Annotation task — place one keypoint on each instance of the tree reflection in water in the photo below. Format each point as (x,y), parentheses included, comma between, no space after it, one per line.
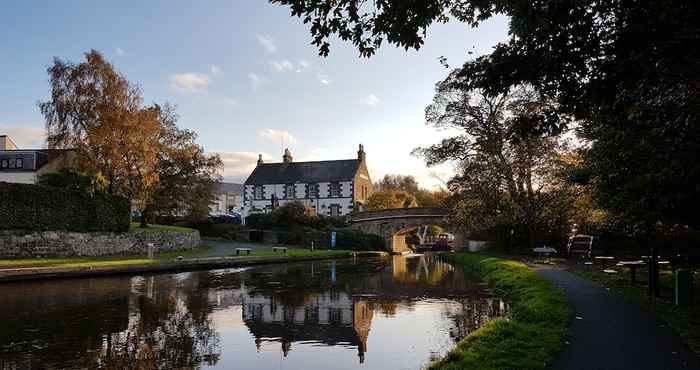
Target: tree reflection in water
(173,321)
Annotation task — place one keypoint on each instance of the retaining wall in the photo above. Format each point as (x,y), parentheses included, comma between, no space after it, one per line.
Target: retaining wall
(14,244)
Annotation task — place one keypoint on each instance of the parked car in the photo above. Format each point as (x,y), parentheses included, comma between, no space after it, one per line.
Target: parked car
(226,218)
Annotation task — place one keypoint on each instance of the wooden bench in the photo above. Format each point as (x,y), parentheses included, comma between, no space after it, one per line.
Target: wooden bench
(239,250)
(280,249)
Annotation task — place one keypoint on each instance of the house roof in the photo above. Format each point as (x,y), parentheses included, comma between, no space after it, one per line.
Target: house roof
(229,187)
(309,172)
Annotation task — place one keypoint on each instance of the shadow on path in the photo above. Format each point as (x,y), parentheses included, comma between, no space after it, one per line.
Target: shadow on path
(609,333)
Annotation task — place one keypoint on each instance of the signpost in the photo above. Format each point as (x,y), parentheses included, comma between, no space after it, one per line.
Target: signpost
(333,238)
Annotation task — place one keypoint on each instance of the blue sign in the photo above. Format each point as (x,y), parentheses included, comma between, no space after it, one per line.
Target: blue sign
(333,234)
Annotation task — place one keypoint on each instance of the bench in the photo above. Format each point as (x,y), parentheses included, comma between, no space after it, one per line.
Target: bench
(239,250)
(280,249)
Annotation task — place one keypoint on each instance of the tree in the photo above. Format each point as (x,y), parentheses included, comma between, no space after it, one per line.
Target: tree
(188,176)
(387,199)
(137,151)
(407,184)
(507,175)
(627,71)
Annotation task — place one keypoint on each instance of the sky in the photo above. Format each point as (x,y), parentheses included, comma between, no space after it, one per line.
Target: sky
(244,76)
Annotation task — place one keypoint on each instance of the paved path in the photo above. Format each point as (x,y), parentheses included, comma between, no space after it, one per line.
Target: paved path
(607,332)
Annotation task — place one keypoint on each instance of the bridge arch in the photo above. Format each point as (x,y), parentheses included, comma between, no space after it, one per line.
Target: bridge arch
(389,223)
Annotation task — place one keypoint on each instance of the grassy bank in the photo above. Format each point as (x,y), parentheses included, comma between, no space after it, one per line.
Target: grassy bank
(684,321)
(135,226)
(533,333)
(79,262)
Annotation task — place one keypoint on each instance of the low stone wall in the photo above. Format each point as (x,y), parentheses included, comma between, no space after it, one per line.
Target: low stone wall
(70,244)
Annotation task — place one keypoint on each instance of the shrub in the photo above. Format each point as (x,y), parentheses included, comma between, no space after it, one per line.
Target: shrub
(294,213)
(259,220)
(38,208)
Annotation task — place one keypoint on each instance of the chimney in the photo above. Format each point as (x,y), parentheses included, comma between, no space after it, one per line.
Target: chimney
(260,161)
(361,156)
(287,157)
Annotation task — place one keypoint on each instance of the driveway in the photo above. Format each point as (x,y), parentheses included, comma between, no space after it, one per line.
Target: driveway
(608,332)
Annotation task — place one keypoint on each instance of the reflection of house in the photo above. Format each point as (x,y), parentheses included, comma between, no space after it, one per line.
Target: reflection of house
(24,166)
(229,198)
(331,317)
(332,188)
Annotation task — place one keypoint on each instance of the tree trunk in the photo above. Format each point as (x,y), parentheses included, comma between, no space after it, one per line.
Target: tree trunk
(143,224)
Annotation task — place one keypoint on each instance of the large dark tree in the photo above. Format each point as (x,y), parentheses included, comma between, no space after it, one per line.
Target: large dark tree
(627,70)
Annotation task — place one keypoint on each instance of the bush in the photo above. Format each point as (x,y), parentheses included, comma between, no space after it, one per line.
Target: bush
(259,220)
(345,239)
(38,208)
(216,230)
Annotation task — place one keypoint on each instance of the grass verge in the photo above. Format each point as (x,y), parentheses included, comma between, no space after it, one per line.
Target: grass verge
(135,227)
(533,333)
(683,320)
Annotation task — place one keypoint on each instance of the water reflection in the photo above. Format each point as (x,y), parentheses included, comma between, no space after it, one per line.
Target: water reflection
(328,314)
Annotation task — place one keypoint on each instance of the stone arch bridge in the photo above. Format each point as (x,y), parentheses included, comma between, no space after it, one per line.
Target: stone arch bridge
(392,224)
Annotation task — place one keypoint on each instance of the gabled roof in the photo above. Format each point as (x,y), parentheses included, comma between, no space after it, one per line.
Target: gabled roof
(308,172)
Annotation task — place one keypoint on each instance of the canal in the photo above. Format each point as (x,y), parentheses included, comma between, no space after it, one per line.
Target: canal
(391,313)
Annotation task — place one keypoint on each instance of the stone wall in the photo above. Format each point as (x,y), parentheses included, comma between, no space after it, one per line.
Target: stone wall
(71,244)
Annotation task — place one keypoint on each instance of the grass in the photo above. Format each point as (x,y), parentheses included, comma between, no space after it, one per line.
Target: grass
(78,262)
(98,261)
(533,333)
(684,321)
(135,227)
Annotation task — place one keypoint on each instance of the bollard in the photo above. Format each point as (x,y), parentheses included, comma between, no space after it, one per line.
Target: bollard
(150,250)
(684,288)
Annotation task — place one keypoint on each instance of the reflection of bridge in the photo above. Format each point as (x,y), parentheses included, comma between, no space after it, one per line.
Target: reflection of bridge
(391,224)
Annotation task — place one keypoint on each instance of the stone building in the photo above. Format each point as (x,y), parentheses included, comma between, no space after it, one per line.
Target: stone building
(26,165)
(331,188)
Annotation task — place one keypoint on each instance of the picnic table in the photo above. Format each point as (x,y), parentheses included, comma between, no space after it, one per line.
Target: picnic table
(604,260)
(632,265)
(239,250)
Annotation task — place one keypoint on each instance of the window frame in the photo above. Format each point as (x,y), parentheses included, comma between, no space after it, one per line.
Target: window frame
(335,186)
(286,191)
(313,191)
(335,207)
(260,195)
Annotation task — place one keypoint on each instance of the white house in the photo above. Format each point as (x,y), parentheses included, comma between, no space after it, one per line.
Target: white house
(229,198)
(332,188)
(25,166)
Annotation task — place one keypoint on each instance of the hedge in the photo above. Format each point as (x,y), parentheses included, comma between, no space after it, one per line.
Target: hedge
(29,207)
(345,239)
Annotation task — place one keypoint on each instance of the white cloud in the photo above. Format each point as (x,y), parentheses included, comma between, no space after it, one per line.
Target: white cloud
(317,154)
(304,63)
(371,100)
(277,136)
(324,79)
(255,80)
(27,137)
(266,42)
(283,65)
(120,52)
(215,70)
(238,165)
(189,82)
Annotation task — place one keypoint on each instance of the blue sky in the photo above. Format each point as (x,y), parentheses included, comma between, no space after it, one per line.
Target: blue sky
(243,76)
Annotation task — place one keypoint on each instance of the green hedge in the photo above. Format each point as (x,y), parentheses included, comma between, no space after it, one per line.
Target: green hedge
(38,208)
(345,239)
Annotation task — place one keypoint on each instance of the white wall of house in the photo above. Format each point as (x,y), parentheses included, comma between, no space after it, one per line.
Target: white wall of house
(322,204)
(25,177)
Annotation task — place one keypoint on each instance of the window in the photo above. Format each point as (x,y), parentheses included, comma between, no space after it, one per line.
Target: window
(335,210)
(258,192)
(4,163)
(289,191)
(19,163)
(335,190)
(12,163)
(313,190)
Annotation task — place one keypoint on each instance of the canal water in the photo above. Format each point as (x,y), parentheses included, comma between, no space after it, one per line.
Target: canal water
(392,313)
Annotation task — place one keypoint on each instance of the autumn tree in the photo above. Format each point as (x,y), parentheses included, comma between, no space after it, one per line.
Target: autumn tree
(386,199)
(137,151)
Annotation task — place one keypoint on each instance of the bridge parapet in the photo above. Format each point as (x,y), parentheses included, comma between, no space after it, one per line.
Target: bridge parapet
(396,213)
